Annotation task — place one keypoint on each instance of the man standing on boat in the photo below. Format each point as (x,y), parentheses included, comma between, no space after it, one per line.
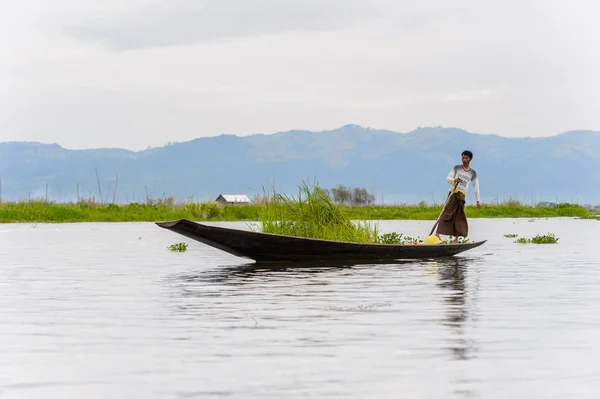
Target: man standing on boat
(453,221)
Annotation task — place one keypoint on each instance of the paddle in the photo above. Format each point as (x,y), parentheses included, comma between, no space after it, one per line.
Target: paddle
(443,209)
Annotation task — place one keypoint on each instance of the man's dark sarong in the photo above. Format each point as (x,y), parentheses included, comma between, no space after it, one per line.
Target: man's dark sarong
(453,221)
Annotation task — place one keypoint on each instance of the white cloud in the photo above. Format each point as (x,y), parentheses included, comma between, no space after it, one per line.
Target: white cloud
(177,22)
(137,73)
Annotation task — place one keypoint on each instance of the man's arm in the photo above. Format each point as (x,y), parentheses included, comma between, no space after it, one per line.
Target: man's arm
(450,178)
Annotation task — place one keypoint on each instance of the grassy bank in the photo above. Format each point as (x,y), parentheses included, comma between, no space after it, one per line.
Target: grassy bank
(42,211)
(510,209)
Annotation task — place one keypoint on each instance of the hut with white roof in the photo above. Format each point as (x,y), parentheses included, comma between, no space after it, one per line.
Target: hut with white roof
(233,199)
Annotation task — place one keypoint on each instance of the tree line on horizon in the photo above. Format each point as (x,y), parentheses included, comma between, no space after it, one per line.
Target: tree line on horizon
(341,194)
(348,195)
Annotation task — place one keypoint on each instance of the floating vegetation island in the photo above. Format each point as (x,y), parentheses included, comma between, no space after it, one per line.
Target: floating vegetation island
(179,247)
(549,238)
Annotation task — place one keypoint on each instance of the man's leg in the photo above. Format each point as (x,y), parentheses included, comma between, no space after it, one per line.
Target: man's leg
(461,225)
(446,224)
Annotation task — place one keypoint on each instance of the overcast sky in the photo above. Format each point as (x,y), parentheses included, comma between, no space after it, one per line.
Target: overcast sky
(138,73)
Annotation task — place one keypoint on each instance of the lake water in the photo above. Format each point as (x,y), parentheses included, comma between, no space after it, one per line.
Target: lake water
(106,311)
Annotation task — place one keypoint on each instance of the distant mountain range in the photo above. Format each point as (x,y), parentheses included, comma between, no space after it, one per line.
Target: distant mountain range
(396,167)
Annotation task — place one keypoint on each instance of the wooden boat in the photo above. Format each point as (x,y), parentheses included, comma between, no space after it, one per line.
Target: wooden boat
(264,247)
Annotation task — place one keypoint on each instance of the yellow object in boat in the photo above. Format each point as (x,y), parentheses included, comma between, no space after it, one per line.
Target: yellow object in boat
(431,240)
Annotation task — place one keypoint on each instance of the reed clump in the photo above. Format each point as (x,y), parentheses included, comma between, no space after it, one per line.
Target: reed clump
(205,210)
(312,214)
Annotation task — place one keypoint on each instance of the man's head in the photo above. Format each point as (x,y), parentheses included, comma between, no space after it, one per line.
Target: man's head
(467,156)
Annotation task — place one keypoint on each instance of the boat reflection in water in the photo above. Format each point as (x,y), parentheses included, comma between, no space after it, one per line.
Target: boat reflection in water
(283,290)
(452,279)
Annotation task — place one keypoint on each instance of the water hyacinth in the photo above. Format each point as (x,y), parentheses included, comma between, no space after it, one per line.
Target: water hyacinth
(178,247)
(549,238)
(395,238)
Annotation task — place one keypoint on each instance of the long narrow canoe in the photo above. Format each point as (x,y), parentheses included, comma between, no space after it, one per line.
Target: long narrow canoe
(263,247)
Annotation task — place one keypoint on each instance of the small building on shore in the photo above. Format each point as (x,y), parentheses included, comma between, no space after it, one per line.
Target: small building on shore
(233,199)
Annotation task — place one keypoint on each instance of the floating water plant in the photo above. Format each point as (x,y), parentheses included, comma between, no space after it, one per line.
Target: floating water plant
(511,235)
(395,238)
(390,238)
(461,240)
(179,247)
(549,238)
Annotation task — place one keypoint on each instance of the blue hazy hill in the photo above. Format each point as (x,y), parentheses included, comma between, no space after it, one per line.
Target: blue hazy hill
(408,167)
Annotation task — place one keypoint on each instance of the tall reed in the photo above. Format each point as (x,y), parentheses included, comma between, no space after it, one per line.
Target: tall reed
(312,215)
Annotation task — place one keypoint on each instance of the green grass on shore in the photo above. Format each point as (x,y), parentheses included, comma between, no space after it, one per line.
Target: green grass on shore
(50,212)
(510,209)
(39,211)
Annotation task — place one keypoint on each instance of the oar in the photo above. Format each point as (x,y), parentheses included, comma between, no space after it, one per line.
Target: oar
(443,209)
